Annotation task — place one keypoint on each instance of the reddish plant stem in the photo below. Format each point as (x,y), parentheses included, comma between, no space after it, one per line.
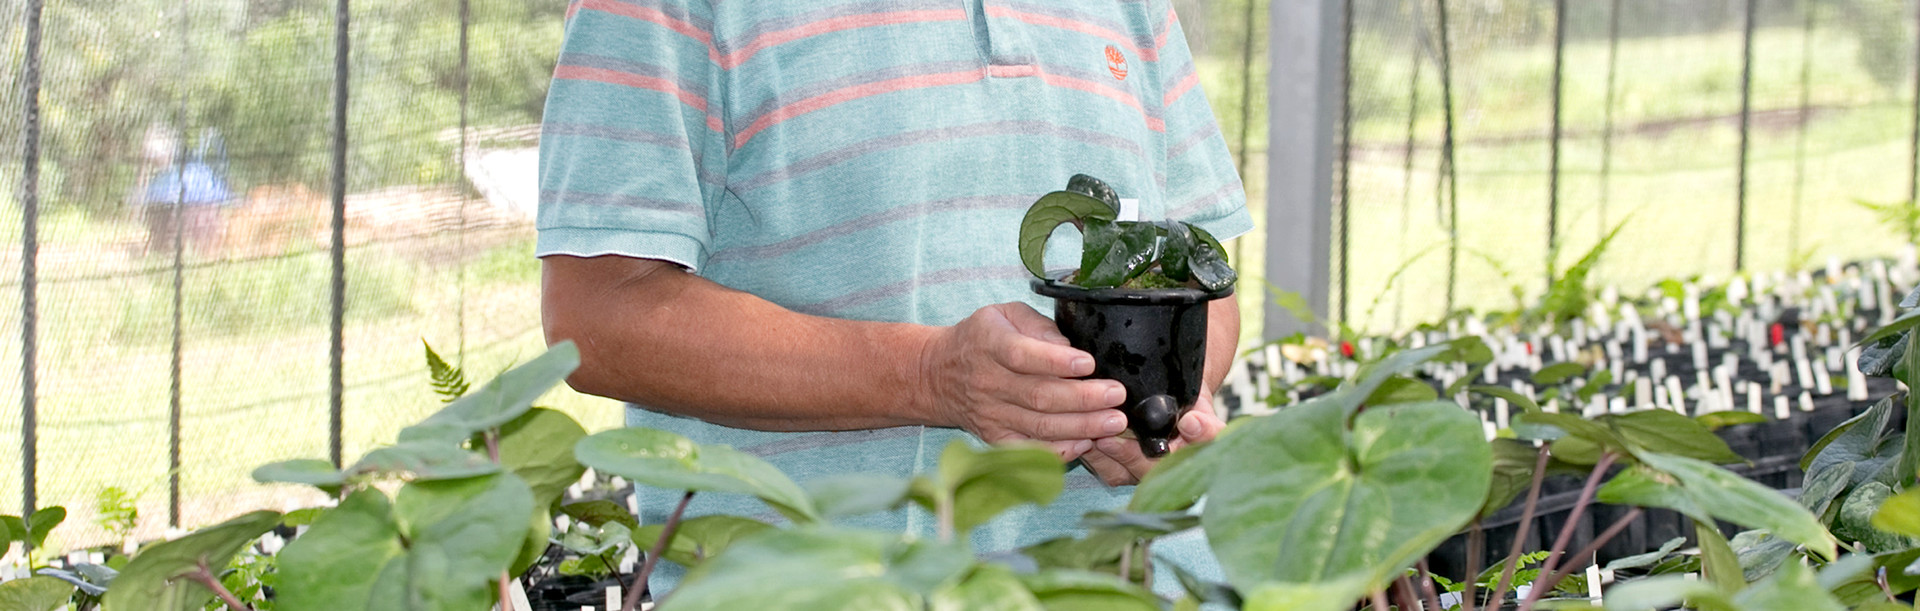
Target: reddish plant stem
(1520,537)
(1379,600)
(1579,507)
(1146,563)
(204,577)
(493,445)
(1548,581)
(1403,590)
(492,436)
(659,547)
(1426,587)
(1476,546)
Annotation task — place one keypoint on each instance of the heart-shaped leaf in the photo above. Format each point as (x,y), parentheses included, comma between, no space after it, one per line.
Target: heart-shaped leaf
(1176,482)
(460,535)
(335,563)
(42,522)
(1857,519)
(664,460)
(37,594)
(1900,514)
(538,447)
(1305,500)
(501,400)
(1853,441)
(981,483)
(152,579)
(1176,255)
(1116,252)
(699,538)
(1049,213)
(597,512)
(1513,463)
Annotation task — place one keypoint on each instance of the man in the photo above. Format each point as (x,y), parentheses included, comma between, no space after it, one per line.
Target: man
(780,226)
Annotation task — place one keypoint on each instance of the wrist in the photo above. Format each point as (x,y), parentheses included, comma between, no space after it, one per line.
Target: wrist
(915,363)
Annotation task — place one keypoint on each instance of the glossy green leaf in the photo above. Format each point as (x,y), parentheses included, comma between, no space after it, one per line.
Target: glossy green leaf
(151,581)
(1094,188)
(667,461)
(11,529)
(1402,389)
(1176,254)
(460,535)
(1208,239)
(1116,252)
(1852,441)
(1208,263)
(42,523)
(1353,393)
(335,563)
(1900,514)
(1175,483)
(500,400)
(1071,590)
(981,483)
(699,538)
(1857,519)
(989,586)
(590,540)
(1305,500)
(1742,501)
(1557,373)
(806,568)
(599,512)
(1049,213)
(1820,488)
(1669,433)
(852,494)
(538,447)
(1720,565)
(1883,358)
(1719,420)
(35,594)
(1508,394)
(422,460)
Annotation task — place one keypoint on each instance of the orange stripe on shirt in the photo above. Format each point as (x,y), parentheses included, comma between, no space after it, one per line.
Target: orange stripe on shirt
(650,15)
(848,94)
(628,79)
(835,24)
(1180,88)
(1105,90)
(1074,26)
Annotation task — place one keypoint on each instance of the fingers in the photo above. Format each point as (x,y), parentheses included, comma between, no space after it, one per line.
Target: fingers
(1118,461)
(1057,396)
(1054,427)
(1069,449)
(1107,469)
(1032,324)
(1200,425)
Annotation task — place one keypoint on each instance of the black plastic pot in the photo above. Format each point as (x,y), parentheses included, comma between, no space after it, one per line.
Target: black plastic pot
(1153,341)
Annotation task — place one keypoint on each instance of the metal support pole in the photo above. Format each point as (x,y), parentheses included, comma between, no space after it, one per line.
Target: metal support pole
(179,281)
(1746,116)
(1913,156)
(1553,144)
(336,387)
(1449,172)
(29,253)
(1304,42)
(466,86)
(1606,132)
(1344,224)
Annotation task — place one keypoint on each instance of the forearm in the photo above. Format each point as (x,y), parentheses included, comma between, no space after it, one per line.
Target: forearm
(652,334)
(1223,339)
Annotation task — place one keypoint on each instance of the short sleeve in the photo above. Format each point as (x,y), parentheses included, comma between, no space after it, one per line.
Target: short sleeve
(1202,187)
(632,147)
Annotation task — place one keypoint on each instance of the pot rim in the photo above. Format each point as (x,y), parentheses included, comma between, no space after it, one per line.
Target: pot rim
(1053,287)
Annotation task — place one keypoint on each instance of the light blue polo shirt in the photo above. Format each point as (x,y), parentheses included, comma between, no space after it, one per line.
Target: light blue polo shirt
(870,160)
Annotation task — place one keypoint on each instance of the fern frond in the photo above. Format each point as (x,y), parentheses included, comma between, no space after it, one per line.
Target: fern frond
(448,381)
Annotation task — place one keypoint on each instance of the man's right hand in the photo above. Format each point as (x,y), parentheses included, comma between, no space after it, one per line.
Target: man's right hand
(1006,373)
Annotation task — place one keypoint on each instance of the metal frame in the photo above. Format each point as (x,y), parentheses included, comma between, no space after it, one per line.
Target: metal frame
(1305,43)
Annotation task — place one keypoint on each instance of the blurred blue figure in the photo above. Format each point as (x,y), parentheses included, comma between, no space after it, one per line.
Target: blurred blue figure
(197,188)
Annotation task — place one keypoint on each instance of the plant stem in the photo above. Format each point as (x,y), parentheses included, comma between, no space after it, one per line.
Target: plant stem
(204,577)
(1146,563)
(943,513)
(1126,563)
(1573,519)
(615,569)
(506,592)
(493,445)
(659,547)
(1426,587)
(1549,581)
(1403,590)
(1520,537)
(1379,598)
(1476,546)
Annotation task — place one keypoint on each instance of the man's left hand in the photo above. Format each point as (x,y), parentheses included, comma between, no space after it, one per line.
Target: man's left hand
(1119,462)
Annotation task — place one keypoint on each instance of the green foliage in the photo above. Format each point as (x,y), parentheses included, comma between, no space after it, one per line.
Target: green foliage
(1121,253)
(665,460)
(116,511)
(34,594)
(449,381)
(155,579)
(700,538)
(500,400)
(973,485)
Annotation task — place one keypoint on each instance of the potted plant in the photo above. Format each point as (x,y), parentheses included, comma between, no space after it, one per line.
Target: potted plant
(1138,302)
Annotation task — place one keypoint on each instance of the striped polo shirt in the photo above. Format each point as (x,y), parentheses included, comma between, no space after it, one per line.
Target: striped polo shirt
(868,159)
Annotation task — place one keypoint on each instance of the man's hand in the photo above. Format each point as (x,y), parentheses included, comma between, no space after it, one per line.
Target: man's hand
(1118,461)
(1005,373)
